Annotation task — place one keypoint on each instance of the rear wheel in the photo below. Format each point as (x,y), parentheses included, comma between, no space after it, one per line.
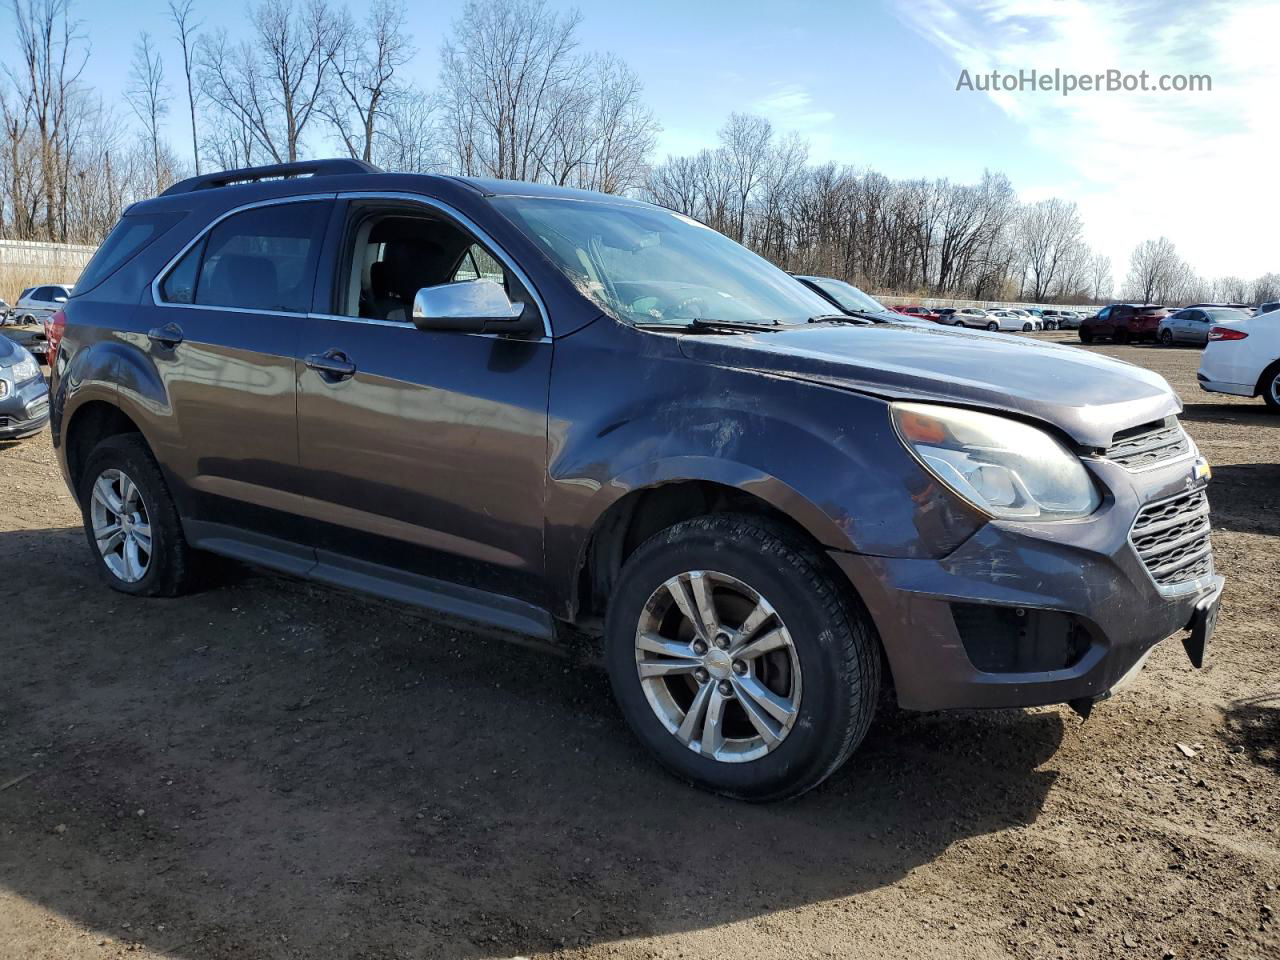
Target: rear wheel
(1121,336)
(131,522)
(958,323)
(738,660)
(993,326)
(1269,387)
(1051,324)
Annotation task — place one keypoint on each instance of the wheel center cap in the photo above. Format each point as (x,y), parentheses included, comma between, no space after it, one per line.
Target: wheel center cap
(718,662)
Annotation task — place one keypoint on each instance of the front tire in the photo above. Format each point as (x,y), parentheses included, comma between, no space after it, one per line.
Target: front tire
(1086,336)
(738,659)
(1166,338)
(131,522)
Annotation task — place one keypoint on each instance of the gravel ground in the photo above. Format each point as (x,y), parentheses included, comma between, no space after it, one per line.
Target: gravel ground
(272,769)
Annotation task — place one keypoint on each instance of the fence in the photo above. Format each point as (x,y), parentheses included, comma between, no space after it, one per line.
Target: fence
(27,263)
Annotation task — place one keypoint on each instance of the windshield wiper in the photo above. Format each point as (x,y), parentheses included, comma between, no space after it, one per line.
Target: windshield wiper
(704,323)
(853,316)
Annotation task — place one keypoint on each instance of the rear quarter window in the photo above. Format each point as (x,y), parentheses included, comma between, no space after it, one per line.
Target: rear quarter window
(125,241)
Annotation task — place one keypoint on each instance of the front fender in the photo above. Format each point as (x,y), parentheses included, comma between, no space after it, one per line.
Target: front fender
(628,412)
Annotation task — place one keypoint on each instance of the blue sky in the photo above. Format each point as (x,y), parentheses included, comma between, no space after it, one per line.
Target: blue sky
(871,82)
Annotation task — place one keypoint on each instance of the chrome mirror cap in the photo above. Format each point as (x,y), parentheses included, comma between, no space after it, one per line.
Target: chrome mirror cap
(465,300)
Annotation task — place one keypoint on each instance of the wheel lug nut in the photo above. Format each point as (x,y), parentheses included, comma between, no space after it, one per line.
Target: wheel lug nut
(726,687)
(722,641)
(701,675)
(740,667)
(699,647)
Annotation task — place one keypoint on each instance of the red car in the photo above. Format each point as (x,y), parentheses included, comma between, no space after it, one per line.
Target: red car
(1124,322)
(924,313)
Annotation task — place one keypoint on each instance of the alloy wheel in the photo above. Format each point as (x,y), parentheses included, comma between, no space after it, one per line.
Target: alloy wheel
(1275,389)
(718,666)
(121,525)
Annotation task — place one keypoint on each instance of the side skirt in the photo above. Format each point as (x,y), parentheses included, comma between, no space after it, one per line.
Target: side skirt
(441,596)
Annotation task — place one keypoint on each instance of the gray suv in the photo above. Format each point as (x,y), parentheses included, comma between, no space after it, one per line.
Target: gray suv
(541,408)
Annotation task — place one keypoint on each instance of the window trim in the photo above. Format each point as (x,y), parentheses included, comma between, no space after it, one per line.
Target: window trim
(477,232)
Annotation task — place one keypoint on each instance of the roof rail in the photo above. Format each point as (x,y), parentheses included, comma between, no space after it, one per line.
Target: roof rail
(302,168)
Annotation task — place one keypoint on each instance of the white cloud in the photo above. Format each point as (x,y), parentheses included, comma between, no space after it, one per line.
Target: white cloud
(1196,167)
(790,106)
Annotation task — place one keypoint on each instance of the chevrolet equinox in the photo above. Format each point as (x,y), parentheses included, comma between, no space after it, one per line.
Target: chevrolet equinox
(535,407)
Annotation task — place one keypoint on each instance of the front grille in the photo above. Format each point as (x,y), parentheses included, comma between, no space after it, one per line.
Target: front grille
(1172,538)
(1149,444)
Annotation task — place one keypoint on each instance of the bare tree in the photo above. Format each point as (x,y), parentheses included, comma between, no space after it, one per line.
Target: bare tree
(1100,281)
(410,138)
(364,66)
(271,84)
(1050,232)
(180,12)
(45,73)
(509,78)
(1153,268)
(148,99)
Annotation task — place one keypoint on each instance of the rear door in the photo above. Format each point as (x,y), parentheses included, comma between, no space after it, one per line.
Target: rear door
(223,333)
(425,451)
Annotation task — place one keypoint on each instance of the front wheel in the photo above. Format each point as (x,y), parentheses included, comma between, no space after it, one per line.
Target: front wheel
(1086,336)
(1027,328)
(739,660)
(131,522)
(1166,337)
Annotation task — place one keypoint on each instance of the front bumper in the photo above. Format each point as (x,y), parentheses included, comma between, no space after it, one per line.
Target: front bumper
(25,410)
(1083,576)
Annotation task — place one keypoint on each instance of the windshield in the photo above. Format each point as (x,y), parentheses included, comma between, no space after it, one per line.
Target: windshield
(848,296)
(648,265)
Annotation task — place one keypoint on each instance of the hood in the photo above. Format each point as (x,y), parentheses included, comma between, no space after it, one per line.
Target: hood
(9,351)
(1086,395)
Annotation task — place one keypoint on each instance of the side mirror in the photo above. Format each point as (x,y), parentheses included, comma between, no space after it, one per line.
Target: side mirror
(471,306)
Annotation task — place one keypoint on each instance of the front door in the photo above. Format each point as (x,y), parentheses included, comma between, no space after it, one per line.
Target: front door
(425,452)
(223,336)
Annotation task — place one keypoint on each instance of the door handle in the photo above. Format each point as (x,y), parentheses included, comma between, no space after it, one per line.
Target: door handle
(333,365)
(170,335)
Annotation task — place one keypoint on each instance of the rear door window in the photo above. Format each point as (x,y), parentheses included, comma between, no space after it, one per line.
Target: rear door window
(260,259)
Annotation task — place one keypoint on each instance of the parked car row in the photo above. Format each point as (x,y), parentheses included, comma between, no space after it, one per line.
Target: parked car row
(997,318)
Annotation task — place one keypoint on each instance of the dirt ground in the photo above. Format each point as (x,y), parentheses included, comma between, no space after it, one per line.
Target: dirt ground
(270,769)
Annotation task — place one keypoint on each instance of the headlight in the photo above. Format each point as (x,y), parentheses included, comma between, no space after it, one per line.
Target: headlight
(1004,468)
(25,369)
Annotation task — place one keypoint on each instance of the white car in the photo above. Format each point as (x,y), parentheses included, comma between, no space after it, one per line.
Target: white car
(1006,320)
(1242,358)
(1026,317)
(39,303)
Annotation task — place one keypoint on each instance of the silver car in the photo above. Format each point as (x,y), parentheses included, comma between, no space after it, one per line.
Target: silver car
(39,303)
(1192,324)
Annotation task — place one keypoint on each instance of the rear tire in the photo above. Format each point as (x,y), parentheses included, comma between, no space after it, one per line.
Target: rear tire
(993,326)
(1121,337)
(131,522)
(813,692)
(1269,387)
